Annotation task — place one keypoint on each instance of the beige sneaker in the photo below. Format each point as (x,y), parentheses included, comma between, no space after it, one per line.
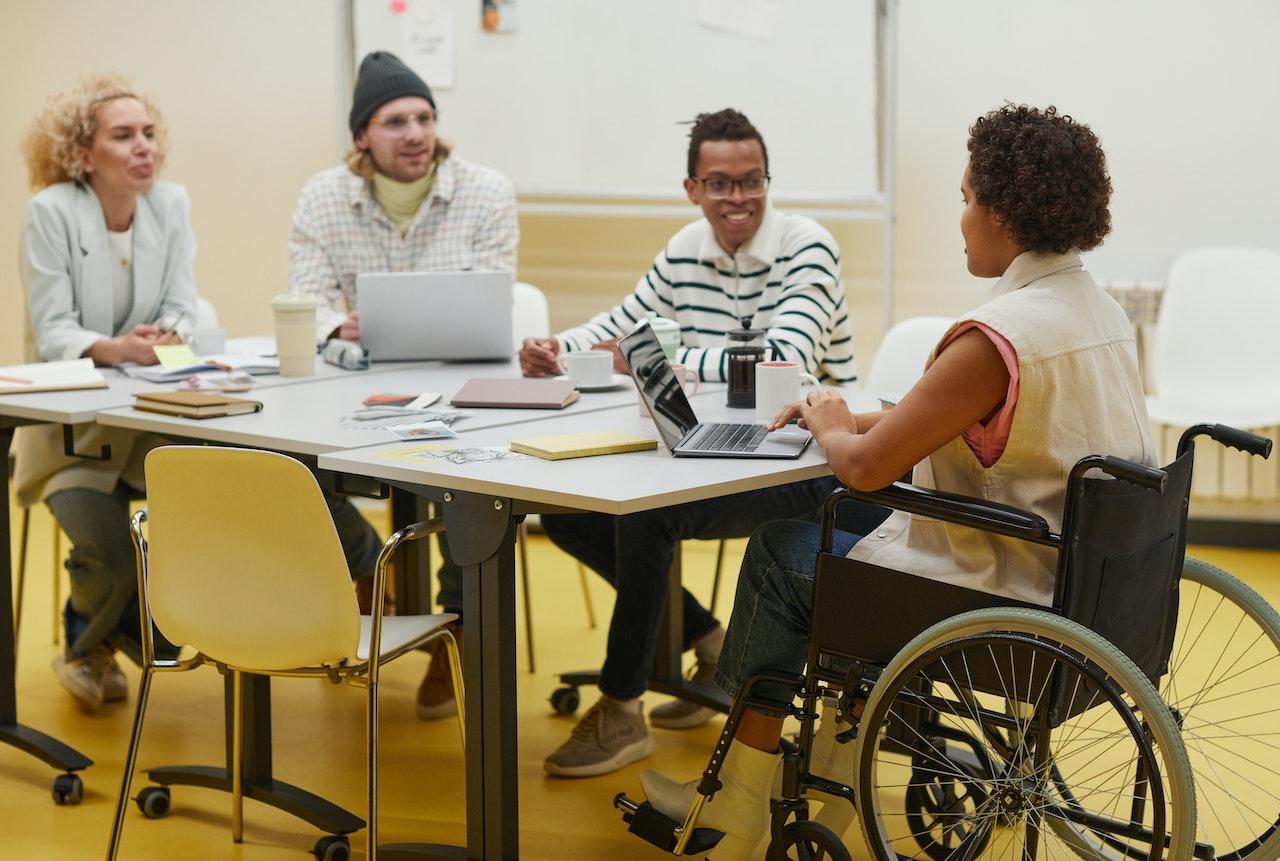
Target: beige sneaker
(82,678)
(436,699)
(685,714)
(608,737)
(115,684)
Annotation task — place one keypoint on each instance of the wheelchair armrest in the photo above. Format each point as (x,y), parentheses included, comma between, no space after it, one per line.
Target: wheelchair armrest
(940,505)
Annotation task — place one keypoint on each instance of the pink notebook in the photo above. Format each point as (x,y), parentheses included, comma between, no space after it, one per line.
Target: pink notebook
(521,393)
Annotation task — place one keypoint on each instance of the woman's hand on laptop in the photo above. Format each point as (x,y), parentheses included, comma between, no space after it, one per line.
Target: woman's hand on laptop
(538,357)
(820,412)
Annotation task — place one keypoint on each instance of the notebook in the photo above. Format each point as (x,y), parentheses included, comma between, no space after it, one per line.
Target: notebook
(520,393)
(194,405)
(51,377)
(585,444)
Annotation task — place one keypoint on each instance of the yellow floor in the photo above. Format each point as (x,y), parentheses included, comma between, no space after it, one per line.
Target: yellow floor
(318,735)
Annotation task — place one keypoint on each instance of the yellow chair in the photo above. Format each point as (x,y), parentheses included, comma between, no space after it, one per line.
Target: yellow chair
(241,562)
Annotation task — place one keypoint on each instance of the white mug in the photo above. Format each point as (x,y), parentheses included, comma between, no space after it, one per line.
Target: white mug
(668,335)
(685,376)
(208,342)
(778,384)
(588,367)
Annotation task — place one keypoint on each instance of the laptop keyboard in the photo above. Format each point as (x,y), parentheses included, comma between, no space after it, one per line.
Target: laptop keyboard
(728,437)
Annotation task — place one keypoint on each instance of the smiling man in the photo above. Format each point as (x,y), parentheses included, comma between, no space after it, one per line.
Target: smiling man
(741,260)
(401,203)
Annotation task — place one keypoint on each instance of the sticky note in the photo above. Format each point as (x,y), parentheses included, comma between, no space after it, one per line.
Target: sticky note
(174,356)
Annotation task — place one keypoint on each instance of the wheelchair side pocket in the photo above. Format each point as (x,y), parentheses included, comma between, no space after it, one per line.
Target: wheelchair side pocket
(1135,608)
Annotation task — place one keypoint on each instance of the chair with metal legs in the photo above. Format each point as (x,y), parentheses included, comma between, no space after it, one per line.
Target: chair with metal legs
(273,597)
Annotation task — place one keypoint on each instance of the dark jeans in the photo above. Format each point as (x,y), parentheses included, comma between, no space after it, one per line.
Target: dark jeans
(773,609)
(634,553)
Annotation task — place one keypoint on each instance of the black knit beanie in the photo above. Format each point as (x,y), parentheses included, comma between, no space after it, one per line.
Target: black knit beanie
(383,78)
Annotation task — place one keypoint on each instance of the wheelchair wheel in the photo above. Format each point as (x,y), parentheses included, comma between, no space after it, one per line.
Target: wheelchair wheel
(805,840)
(1072,711)
(1223,684)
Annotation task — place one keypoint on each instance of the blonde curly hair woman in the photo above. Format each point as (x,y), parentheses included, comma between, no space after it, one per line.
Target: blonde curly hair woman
(107,255)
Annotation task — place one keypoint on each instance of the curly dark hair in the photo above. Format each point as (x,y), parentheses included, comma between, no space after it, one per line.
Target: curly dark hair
(726,125)
(1044,175)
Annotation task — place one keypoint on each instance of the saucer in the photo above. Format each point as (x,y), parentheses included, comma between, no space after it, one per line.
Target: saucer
(617,381)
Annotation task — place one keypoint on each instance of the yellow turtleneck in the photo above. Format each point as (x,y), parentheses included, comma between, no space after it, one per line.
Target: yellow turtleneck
(401,200)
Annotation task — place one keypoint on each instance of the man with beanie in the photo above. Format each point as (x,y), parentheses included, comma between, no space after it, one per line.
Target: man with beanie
(401,203)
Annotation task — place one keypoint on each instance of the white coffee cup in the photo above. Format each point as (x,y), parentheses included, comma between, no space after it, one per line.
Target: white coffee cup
(588,367)
(668,335)
(778,384)
(685,376)
(295,316)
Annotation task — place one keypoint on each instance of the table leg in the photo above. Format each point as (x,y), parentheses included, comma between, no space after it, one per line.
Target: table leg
(482,539)
(26,739)
(411,571)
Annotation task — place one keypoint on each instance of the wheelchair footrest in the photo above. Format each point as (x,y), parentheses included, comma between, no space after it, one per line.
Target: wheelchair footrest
(646,822)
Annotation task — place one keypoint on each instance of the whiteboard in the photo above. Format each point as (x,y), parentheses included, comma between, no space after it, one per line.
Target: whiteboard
(587,98)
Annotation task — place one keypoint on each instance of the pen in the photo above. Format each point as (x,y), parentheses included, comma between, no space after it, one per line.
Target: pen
(8,379)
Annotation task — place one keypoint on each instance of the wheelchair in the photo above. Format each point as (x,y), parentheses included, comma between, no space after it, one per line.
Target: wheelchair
(1121,723)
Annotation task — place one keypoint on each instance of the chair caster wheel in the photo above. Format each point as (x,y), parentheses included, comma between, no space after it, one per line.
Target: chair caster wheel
(333,847)
(68,789)
(564,701)
(153,801)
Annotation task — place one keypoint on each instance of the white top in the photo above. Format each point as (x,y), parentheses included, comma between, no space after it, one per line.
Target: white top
(122,275)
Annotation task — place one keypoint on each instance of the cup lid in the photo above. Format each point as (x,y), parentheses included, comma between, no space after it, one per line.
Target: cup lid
(293,301)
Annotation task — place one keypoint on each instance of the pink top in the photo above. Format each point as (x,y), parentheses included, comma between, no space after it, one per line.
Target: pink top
(987,439)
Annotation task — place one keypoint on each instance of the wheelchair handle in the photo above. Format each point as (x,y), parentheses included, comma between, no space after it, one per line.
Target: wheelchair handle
(1135,473)
(1249,443)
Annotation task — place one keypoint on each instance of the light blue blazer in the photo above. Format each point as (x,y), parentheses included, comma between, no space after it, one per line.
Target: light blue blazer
(67,267)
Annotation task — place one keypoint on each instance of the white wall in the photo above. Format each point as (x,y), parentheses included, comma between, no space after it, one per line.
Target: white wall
(1182,93)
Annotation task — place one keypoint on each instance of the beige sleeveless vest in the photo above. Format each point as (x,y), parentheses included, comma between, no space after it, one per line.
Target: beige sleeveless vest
(1079,394)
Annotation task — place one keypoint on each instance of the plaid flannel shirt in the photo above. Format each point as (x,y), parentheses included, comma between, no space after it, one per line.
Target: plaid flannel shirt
(468,221)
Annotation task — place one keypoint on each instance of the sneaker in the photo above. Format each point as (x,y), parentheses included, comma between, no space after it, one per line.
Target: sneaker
(608,737)
(686,714)
(436,699)
(115,685)
(82,678)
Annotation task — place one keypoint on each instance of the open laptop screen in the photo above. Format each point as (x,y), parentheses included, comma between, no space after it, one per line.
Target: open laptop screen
(658,385)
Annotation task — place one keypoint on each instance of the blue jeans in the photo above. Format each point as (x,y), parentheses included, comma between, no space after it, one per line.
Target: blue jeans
(103,606)
(773,609)
(634,553)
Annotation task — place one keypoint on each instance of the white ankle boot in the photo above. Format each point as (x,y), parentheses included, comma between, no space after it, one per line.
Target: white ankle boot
(740,809)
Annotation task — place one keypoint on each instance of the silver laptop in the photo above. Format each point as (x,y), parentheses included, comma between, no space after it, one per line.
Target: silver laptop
(679,428)
(435,315)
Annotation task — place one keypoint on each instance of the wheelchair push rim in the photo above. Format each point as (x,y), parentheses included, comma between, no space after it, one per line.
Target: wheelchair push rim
(1122,755)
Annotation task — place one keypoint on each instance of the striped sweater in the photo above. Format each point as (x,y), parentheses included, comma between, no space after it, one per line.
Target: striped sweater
(786,280)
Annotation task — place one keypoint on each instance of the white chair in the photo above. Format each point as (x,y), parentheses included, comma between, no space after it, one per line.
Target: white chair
(1214,358)
(531,318)
(900,360)
(270,594)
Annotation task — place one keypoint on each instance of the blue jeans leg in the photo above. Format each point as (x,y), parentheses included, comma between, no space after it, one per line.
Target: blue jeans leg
(634,553)
(773,610)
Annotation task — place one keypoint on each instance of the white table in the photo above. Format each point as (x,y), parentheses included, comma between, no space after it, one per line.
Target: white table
(482,503)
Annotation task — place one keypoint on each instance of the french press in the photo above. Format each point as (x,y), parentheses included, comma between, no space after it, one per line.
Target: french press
(744,348)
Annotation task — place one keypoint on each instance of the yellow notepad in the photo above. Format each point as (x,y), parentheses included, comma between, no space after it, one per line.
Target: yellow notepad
(586,444)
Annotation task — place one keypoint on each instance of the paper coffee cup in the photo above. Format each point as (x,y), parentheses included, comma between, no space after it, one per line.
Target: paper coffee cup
(668,334)
(295,318)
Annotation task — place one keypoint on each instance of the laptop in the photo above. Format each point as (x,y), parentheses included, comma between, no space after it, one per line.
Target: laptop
(411,316)
(679,428)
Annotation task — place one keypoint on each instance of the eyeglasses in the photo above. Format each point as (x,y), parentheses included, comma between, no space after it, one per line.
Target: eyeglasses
(398,124)
(719,187)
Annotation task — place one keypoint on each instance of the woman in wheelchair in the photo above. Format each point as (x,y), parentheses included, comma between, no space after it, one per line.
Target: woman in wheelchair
(1020,389)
